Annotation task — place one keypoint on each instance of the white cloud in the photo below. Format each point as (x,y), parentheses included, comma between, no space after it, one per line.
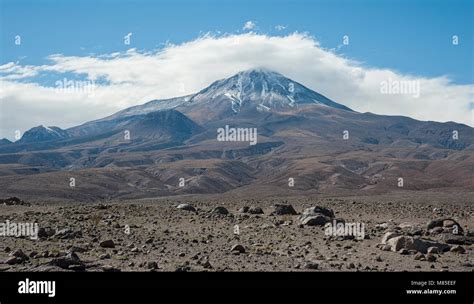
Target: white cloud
(249,25)
(12,71)
(280,27)
(134,77)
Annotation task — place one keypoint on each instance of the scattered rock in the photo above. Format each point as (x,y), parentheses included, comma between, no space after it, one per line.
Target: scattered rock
(316,216)
(152,265)
(77,267)
(13,260)
(19,254)
(311,266)
(207,265)
(186,207)
(238,248)
(46,232)
(405,225)
(381,226)
(420,245)
(109,268)
(219,211)
(414,231)
(64,262)
(404,251)
(13,201)
(420,257)
(430,257)
(281,209)
(318,210)
(388,235)
(251,210)
(386,247)
(454,239)
(443,222)
(255,210)
(244,209)
(68,234)
(107,244)
(183,268)
(16,257)
(105,256)
(102,206)
(437,230)
(77,249)
(432,250)
(458,249)
(315,220)
(400,242)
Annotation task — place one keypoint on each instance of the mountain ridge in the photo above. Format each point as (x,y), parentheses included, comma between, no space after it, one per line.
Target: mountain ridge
(147,149)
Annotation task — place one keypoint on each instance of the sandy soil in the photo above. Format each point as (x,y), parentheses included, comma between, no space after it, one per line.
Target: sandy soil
(154,235)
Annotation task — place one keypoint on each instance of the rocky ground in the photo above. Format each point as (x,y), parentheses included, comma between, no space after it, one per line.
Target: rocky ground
(201,235)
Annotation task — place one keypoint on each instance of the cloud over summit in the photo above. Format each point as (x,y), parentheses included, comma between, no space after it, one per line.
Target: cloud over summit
(134,77)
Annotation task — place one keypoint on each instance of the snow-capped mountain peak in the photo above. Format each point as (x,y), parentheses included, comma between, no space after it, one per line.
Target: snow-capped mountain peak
(43,133)
(261,88)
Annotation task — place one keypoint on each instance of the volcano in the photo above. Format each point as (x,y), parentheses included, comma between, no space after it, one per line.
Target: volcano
(324,146)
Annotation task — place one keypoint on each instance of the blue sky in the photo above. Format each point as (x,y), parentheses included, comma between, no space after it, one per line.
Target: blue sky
(179,47)
(413,37)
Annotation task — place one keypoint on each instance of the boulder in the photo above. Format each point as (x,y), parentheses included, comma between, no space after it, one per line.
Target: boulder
(282,209)
(444,222)
(152,265)
(255,210)
(13,260)
(186,207)
(107,244)
(454,239)
(311,266)
(409,243)
(238,248)
(318,210)
(385,247)
(67,261)
(220,211)
(19,254)
(437,230)
(244,209)
(316,216)
(315,220)
(46,232)
(387,236)
(13,201)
